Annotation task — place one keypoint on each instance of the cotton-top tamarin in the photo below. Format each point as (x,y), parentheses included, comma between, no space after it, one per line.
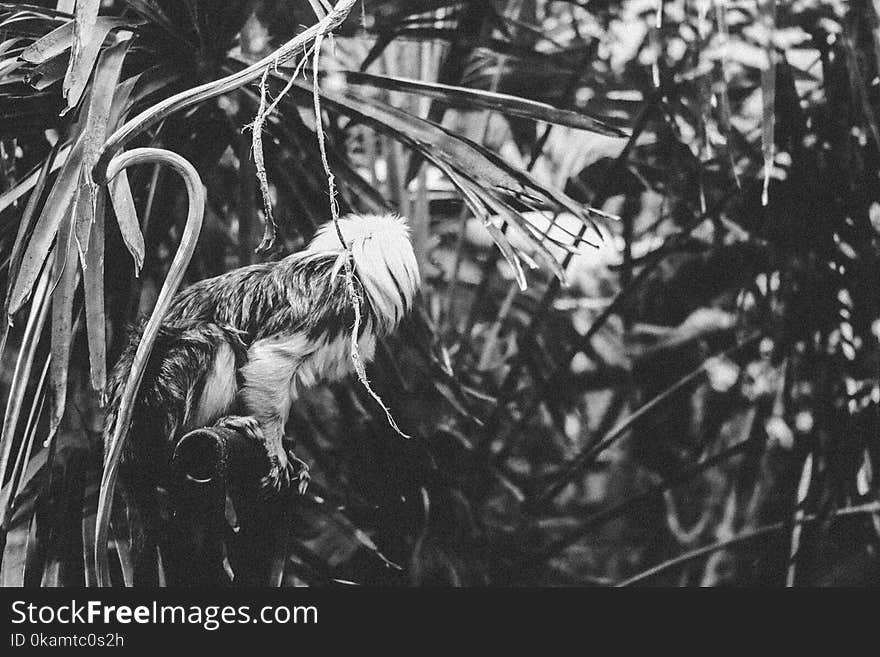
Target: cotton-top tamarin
(238,347)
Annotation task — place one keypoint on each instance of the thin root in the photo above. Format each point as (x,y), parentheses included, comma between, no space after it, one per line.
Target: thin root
(353,293)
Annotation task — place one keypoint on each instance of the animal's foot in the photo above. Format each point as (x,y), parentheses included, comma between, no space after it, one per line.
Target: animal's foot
(246,425)
(301,473)
(285,468)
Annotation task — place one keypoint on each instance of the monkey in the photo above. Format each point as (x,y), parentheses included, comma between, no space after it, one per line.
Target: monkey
(236,350)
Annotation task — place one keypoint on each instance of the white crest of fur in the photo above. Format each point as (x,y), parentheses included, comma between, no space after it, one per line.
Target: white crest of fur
(384,261)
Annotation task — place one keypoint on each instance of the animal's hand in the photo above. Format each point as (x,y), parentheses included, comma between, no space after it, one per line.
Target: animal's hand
(243,424)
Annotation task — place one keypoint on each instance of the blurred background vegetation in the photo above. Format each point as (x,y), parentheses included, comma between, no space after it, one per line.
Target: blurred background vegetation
(695,404)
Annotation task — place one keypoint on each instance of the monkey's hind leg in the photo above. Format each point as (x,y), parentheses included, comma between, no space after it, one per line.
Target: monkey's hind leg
(265,396)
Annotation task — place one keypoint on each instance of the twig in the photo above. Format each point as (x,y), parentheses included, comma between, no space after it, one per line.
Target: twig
(870,508)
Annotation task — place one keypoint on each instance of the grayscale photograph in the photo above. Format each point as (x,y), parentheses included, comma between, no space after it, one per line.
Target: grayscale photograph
(386,294)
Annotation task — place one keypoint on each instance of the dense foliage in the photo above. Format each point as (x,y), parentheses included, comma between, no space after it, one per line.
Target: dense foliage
(649,236)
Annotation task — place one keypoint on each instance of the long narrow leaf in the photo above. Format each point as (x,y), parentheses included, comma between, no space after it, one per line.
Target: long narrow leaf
(65,276)
(25,225)
(95,133)
(44,233)
(93,288)
(61,39)
(17,479)
(126,217)
(22,373)
(86,45)
(27,184)
(475,98)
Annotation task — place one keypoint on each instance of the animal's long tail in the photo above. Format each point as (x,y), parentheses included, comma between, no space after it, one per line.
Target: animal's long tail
(174,375)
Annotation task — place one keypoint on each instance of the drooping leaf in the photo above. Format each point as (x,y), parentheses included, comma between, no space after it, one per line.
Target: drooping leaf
(476,98)
(126,217)
(101,99)
(338,537)
(490,175)
(479,210)
(725,111)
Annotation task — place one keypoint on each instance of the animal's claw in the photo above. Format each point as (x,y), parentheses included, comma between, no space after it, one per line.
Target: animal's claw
(277,479)
(300,471)
(283,470)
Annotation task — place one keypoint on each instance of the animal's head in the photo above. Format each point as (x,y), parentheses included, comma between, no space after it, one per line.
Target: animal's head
(384,260)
